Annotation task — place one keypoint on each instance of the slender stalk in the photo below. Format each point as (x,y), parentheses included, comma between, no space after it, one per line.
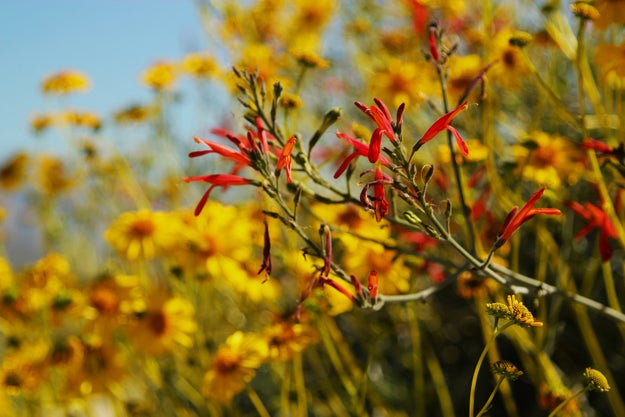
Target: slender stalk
(491,397)
(496,332)
(565,402)
(257,402)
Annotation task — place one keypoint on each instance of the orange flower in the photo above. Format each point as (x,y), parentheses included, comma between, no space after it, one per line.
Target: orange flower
(441,124)
(517,217)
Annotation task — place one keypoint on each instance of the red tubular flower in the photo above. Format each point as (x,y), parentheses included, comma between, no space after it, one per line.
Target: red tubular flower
(441,124)
(380,114)
(266,265)
(217,180)
(602,148)
(361,149)
(378,202)
(285,159)
(373,286)
(596,218)
(432,29)
(338,287)
(241,160)
(517,217)
(596,145)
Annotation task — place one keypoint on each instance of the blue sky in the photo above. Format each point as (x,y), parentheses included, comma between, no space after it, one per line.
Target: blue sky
(111,41)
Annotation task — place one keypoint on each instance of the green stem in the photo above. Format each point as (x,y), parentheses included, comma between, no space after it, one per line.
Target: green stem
(491,398)
(257,402)
(476,371)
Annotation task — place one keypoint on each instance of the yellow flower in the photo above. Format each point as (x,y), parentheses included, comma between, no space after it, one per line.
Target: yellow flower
(310,59)
(81,119)
(478,153)
(142,234)
(200,65)
(585,10)
(472,286)
(511,68)
(111,301)
(462,72)
(41,121)
(160,76)
(133,114)
(261,58)
(520,314)
(549,160)
(166,324)
(291,101)
(53,179)
(401,82)
(24,370)
(13,172)
(65,82)
(248,283)
(506,369)
(234,365)
(45,280)
(285,340)
(98,366)
(596,380)
(222,232)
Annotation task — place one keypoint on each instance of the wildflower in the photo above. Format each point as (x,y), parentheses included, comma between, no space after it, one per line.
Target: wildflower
(291,101)
(506,369)
(199,65)
(602,148)
(310,59)
(160,76)
(13,171)
(217,180)
(234,365)
(517,217)
(595,380)
(41,121)
(472,286)
(285,340)
(166,324)
(82,119)
(361,149)
(549,160)
(133,114)
(53,179)
(101,366)
(380,114)
(378,202)
(441,124)
(401,82)
(498,310)
(511,67)
(141,234)
(585,10)
(520,314)
(285,159)
(240,159)
(65,82)
(23,370)
(596,218)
